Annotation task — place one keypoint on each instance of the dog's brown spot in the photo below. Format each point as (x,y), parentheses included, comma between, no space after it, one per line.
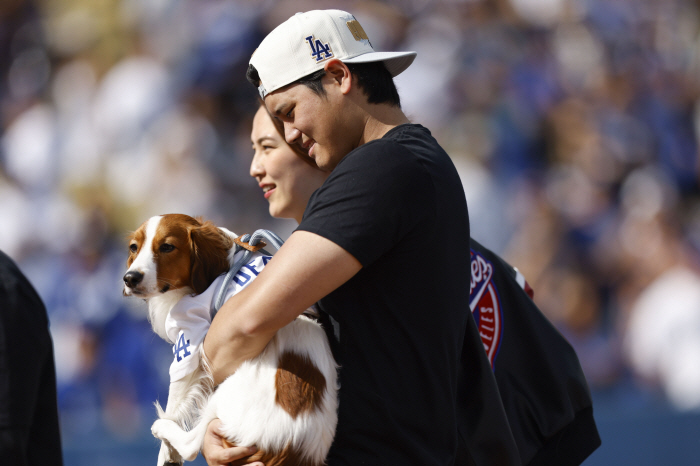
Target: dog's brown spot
(287,457)
(299,384)
(209,255)
(171,250)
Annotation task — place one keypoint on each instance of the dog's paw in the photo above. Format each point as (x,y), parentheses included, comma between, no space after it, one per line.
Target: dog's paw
(162,427)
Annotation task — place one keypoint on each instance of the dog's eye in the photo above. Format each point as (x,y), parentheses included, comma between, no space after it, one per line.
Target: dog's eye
(165,247)
(133,247)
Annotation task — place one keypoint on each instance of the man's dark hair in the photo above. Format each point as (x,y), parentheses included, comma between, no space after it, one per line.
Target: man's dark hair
(252,76)
(373,78)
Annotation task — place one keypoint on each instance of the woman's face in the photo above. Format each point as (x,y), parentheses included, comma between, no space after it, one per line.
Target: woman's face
(286,180)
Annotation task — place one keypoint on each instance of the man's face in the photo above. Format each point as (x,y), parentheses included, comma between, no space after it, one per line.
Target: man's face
(319,124)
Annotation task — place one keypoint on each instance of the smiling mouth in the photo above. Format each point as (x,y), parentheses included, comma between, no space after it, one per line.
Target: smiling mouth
(308,146)
(268,190)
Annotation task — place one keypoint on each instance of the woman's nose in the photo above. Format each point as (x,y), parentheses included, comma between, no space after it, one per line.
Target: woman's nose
(256,168)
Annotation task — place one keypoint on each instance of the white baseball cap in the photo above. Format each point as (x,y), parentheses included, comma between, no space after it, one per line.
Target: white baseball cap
(306,41)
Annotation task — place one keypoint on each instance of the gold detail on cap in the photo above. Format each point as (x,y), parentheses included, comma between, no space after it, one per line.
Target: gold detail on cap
(357,32)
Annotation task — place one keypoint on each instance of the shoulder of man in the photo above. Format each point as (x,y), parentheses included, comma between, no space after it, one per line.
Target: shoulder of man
(378,155)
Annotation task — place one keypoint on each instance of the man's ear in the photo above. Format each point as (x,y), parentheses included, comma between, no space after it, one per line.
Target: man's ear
(340,73)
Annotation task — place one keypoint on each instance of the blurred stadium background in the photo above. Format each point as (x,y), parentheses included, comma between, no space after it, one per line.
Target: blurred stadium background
(574,124)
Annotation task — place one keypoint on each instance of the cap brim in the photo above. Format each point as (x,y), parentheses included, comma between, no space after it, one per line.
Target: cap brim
(395,62)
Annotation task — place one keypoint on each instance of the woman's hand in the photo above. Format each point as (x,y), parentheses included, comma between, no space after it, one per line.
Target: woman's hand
(218,452)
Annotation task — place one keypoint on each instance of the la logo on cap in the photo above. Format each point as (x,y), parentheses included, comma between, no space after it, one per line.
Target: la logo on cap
(317,37)
(319,50)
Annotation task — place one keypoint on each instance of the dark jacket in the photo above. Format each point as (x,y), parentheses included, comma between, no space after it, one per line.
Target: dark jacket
(540,381)
(29,431)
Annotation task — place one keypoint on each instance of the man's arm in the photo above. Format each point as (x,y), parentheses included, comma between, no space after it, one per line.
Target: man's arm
(305,269)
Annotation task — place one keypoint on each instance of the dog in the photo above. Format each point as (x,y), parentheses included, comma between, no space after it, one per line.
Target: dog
(284,401)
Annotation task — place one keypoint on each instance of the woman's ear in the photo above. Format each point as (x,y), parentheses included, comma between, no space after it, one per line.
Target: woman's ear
(340,73)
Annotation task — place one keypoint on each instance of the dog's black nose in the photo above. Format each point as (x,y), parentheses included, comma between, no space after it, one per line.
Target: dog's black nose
(132,278)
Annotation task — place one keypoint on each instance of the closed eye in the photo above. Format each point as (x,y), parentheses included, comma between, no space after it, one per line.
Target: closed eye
(282,116)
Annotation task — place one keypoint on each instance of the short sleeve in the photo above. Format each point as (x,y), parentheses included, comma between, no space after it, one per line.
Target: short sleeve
(375,196)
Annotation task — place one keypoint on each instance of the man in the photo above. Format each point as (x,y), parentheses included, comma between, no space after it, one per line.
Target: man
(360,252)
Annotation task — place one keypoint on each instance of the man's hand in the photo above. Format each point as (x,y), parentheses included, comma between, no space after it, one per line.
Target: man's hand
(218,452)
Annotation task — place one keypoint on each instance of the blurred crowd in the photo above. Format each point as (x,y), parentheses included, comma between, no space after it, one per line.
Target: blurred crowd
(573,123)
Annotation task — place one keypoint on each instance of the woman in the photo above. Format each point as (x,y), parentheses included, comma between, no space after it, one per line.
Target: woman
(286,174)
(287,177)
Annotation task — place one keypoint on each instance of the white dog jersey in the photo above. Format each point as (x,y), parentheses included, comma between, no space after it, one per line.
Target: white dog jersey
(189,320)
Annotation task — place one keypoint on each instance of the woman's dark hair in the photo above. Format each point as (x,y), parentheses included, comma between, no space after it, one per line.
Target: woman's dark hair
(373,78)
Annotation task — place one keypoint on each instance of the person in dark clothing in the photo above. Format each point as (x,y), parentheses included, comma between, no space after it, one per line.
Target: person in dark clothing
(539,378)
(392,192)
(540,381)
(28,405)
(484,437)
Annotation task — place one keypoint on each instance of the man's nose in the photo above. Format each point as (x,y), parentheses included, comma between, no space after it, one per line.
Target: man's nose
(291,134)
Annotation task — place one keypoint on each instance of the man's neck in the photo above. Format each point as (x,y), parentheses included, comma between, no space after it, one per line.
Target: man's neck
(381,118)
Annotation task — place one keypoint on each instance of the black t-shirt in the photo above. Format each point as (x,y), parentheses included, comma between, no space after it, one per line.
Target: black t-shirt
(400,321)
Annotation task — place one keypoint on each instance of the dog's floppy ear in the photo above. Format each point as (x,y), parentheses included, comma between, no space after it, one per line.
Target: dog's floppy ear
(210,248)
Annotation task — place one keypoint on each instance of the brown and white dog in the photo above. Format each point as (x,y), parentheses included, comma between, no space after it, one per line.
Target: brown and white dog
(284,401)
